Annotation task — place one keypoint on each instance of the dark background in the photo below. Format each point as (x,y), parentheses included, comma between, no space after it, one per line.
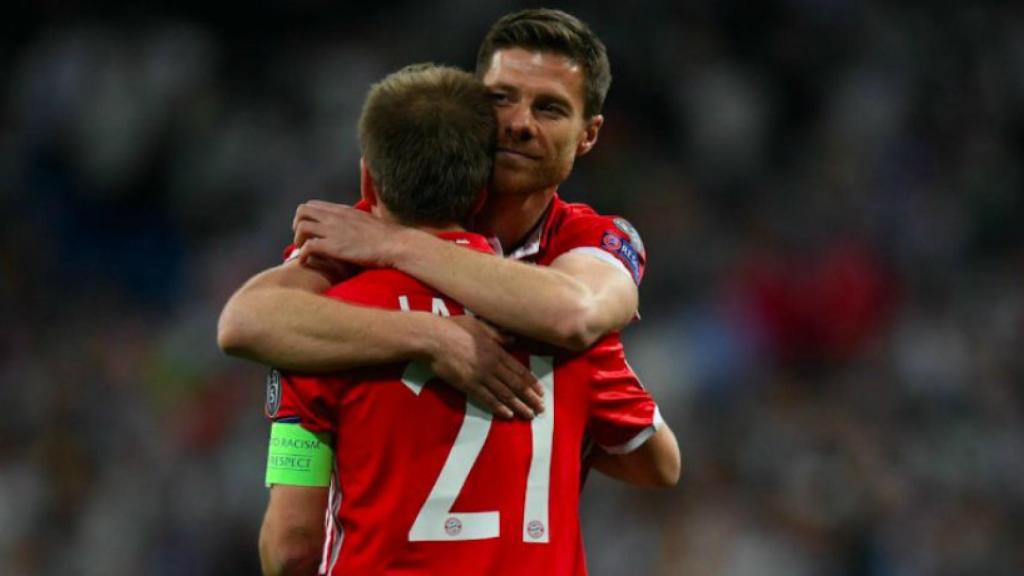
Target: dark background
(831,197)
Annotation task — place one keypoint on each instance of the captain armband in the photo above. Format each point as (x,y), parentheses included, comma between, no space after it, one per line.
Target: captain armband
(298,457)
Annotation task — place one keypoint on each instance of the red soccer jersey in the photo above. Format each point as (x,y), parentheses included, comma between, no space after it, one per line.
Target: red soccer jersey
(428,483)
(569,227)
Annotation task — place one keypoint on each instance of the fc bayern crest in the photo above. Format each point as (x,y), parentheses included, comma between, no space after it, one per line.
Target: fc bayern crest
(273,393)
(453,526)
(634,236)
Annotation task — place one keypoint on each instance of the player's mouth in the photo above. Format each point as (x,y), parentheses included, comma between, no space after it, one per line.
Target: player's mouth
(512,154)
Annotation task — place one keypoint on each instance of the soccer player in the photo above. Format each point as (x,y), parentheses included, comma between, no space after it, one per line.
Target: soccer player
(571,275)
(422,480)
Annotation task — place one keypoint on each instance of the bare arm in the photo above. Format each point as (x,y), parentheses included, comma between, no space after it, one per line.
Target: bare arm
(656,463)
(569,304)
(292,534)
(280,318)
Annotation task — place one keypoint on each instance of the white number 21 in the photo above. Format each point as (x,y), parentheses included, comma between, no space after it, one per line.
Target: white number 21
(436,521)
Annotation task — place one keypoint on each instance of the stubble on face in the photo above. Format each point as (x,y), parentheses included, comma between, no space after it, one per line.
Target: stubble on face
(538,99)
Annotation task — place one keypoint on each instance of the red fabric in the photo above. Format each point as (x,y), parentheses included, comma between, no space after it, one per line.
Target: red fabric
(391,445)
(568,226)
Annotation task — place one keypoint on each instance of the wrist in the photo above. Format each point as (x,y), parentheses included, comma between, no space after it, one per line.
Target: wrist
(401,249)
(427,336)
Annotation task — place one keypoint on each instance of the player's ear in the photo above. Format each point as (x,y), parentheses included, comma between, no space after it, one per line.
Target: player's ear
(590,131)
(367,187)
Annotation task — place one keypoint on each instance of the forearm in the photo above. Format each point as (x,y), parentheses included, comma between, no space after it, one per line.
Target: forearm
(292,533)
(654,464)
(280,319)
(543,303)
(302,559)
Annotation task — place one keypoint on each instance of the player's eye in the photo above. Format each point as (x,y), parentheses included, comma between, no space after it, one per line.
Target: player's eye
(498,97)
(553,109)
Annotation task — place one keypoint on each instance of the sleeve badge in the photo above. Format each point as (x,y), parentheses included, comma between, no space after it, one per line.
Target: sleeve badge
(634,236)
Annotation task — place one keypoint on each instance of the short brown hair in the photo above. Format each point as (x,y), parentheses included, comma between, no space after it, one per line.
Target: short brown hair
(555,31)
(427,135)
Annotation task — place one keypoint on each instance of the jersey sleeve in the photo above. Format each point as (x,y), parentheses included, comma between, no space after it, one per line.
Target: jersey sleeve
(623,414)
(300,399)
(609,238)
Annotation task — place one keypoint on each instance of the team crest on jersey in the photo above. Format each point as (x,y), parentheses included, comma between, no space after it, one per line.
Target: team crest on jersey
(535,529)
(273,393)
(634,236)
(453,526)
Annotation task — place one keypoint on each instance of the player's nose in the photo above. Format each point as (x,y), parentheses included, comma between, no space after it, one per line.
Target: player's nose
(519,125)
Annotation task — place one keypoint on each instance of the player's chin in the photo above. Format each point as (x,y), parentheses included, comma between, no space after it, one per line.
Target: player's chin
(513,182)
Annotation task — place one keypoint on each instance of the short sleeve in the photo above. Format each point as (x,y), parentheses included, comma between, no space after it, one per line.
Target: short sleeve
(610,238)
(300,399)
(623,414)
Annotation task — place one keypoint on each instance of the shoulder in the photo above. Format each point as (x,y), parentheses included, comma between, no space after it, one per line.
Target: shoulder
(578,218)
(579,227)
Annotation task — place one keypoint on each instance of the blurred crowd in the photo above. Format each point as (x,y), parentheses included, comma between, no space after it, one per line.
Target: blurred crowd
(832,198)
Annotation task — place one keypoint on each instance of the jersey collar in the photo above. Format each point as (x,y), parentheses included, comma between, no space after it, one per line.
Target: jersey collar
(467,239)
(536,240)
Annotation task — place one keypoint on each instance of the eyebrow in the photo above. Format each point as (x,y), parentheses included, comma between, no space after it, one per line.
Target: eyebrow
(503,86)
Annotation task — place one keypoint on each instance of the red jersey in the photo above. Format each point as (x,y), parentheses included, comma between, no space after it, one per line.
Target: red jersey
(428,483)
(569,227)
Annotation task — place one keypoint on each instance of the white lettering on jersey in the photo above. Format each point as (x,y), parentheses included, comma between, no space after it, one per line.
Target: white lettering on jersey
(438,307)
(403,303)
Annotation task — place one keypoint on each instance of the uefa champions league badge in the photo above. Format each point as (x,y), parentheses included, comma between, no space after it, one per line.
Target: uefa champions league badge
(273,393)
(535,529)
(634,236)
(453,526)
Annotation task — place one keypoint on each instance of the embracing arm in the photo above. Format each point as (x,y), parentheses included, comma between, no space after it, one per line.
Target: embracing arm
(280,318)
(656,463)
(570,304)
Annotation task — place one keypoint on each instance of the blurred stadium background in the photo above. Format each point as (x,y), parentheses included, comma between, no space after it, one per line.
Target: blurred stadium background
(832,197)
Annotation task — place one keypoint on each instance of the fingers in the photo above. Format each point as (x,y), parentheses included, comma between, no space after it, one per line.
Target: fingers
(306,229)
(484,396)
(316,211)
(328,206)
(304,212)
(521,386)
(507,398)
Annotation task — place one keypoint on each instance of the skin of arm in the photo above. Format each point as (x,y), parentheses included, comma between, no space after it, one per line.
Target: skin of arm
(292,534)
(655,464)
(280,318)
(570,304)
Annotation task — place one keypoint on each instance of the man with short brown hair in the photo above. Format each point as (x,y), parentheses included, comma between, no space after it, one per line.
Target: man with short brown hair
(414,477)
(547,118)
(570,278)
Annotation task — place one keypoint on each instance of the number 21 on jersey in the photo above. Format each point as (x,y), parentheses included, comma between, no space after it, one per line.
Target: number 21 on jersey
(436,521)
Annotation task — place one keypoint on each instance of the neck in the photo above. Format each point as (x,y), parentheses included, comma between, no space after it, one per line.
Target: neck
(511,217)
